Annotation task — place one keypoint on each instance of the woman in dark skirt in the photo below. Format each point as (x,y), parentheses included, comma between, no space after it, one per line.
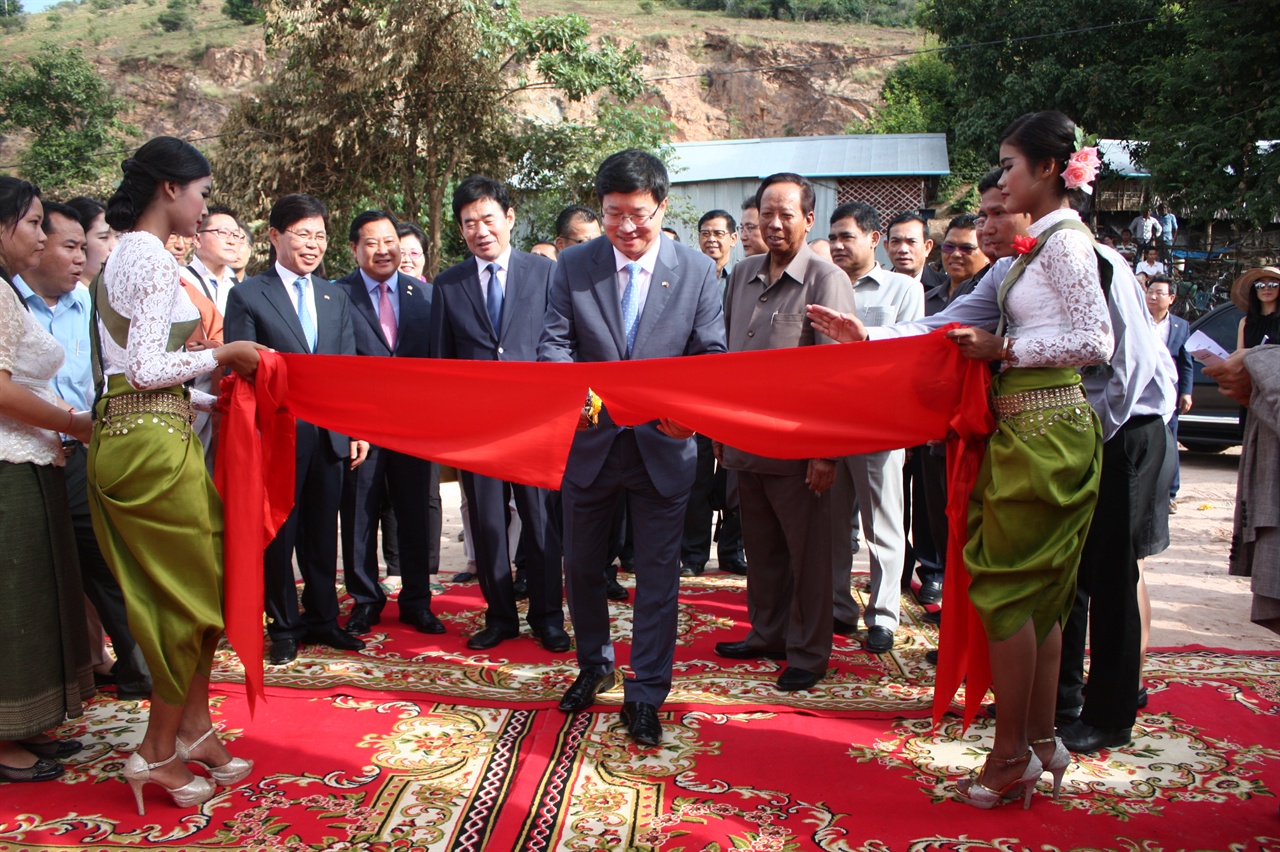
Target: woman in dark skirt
(45,672)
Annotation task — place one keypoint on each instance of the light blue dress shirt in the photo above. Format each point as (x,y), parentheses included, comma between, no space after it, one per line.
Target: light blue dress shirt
(68,322)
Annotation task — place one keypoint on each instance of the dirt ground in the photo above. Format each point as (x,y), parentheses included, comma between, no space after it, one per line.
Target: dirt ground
(1193,600)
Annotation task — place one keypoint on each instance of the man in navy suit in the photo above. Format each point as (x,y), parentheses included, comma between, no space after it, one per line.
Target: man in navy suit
(1174,331)
(491,308)
(629,294)
(392,316)
(289,309)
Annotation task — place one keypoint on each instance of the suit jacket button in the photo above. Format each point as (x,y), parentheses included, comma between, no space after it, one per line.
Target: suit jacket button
(500,350)
(751,333)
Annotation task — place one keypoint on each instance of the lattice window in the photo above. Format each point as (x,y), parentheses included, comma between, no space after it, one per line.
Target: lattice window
(889,195)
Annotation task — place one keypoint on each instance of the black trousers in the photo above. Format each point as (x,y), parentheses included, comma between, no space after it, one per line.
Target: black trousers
(709,493)
(100,585)
(1106,604)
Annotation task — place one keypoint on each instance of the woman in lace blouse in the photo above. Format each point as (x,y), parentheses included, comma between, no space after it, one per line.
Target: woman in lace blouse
(44,649)
(1033,501)
(155,511)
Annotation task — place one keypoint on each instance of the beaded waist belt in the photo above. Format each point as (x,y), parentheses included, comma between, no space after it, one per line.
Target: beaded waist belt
(1037,400)
(131,410)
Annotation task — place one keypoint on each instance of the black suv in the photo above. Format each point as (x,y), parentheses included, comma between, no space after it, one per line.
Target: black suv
(1213,423)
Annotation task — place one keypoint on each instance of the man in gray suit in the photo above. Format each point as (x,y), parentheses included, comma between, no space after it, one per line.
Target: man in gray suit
(631,294)
(788,525)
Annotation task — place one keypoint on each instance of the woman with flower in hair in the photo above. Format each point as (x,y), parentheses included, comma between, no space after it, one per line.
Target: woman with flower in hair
(156,514)
(1033,501)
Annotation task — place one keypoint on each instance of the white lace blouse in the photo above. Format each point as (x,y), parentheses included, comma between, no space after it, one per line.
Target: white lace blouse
(142,281)
(1056,311)
(32,356)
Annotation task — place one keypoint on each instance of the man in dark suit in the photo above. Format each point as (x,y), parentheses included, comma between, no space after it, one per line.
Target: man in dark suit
(629,295)
(289,309)
(491,308)
(1174,331)
(391,314)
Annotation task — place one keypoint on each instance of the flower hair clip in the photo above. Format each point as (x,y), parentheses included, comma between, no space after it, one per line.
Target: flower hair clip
(1083,166)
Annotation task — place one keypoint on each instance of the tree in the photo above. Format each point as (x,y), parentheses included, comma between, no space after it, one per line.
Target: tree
(247,12)
(61,100)
(1019,59)
(1210,130)
(389,103)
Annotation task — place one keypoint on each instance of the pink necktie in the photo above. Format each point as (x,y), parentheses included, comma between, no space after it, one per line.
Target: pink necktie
(386,316)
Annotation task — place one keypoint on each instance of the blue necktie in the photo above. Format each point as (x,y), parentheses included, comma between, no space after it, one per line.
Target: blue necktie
(494,299)
(631,304)
(304,313)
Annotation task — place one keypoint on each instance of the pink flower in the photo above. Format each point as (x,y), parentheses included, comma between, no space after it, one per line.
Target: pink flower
(1024,245)
(1082,168)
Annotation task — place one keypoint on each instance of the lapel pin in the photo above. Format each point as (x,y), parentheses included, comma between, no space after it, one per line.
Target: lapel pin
(326,296)
(666,283)
(409,288)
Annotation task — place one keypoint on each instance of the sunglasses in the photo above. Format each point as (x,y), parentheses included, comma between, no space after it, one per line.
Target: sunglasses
(1266,285)
(966,248)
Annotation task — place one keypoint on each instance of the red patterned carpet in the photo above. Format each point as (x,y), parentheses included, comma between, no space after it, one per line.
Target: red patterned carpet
(419,744)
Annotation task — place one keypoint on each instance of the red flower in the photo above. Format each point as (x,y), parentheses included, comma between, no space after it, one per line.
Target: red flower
(1024,245)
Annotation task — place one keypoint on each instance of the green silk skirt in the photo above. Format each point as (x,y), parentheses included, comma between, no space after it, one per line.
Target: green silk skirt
(158,520)
(1031,507)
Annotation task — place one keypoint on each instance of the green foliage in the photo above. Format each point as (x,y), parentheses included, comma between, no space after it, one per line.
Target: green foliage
(646,7)
(53,21)
(58,97)
(885,13)
(247,12)
(1214,111)
(176,17)
(11,9)
(13,23)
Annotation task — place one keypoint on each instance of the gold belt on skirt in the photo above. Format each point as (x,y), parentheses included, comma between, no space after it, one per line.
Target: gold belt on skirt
(131,410)
(1033,412)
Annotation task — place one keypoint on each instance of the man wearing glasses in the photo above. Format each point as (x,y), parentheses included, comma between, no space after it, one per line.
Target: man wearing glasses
(630,295)
(218,244)
(290,309)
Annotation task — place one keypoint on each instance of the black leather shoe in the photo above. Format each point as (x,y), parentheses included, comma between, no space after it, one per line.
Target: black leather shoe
(739,568)
(795,680)
(934,618)
(463,577)
(582,694)
(1064,716)
(692,569)
(743,651)
(642,722)
(133,693)
(53,749)
(521,587)
(490,637)
(1083,738)
(616,591)
(930,593)
(554,639)
(43,769)
(333,638)
(843,628)
(422,620)
(879,640)
(363,617)
(931,656)
(283,651)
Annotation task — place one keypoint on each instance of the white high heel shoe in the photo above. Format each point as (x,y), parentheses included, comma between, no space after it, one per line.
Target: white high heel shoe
(138,773)
(232,772)
(1058,764)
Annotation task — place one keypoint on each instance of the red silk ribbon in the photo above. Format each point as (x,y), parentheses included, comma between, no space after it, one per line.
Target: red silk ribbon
(515,421)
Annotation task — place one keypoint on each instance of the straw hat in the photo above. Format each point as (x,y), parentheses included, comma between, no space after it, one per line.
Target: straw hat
(1240,289)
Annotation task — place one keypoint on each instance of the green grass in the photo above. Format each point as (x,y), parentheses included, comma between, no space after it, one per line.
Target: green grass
(127,32)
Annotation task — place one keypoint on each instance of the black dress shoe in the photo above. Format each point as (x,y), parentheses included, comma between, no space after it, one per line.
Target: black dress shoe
(43,769)
(843,628)
(463,577)
(490,637)
(1064,716)
(934,618)
(133,693)
(739,568)
(1083,738)
(692,569)
(879,640)
(334,638)
(422,620)
(521,587)
(930,593)
(53,749)
(283,651)
(616,591)
(794,680)
(743,651)
(931,656)
(363,617)
(642,722)
(582,694)
(554,639)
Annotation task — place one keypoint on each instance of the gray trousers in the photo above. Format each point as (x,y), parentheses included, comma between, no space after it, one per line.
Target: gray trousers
(871,484)
(787,531)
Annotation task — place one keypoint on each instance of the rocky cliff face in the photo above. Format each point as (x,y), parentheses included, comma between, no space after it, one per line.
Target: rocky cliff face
(706,83)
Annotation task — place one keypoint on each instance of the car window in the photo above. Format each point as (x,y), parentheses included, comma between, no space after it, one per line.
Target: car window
(1222,324)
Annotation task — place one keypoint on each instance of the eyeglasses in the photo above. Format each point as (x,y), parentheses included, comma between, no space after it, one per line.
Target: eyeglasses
(963,248)
(1266,285)
(709,233)
(1153,294)
(636,219)
(226,235)
(307,236)
(413,254)
(748,227)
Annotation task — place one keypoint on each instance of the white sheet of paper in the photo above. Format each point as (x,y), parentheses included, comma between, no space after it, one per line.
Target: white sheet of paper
(1200,342)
